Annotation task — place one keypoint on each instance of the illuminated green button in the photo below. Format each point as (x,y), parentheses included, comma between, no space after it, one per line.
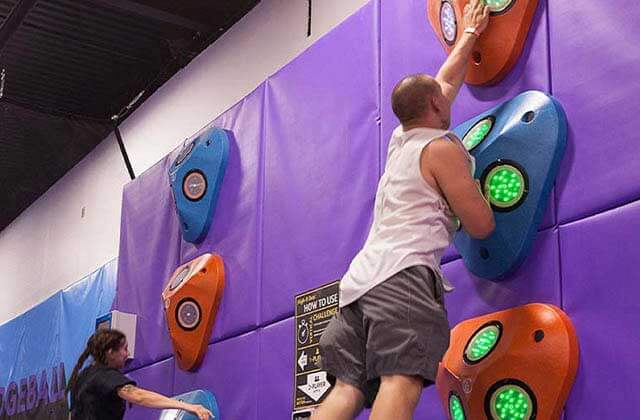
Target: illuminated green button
(455,408)
(477,133)
(511,402)
(482,343)
(497,6)
(504,186)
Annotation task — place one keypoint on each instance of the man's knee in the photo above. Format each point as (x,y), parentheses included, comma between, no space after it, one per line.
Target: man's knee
(407,386)
(347,391)
(343,402)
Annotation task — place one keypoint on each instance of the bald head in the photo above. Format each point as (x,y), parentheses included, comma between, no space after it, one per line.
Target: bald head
(411,98)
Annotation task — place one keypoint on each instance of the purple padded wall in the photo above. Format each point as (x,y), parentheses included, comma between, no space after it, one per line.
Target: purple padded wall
(595,62)
(600,275)
(275,370)
(533,282)
(229,371)
(234,232)
(537,280)
(276,366)
(303,193)
(321,162)
(409,45)
(149,253)
(151,247)
(429,407)
(158,378)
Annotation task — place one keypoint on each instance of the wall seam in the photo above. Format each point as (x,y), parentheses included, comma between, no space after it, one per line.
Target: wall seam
(260,244)
(378,11)
(599,211)
(261,196)
(548,21)
(556,216)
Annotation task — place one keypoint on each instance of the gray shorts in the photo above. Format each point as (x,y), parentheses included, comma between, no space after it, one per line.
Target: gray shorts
(398,327)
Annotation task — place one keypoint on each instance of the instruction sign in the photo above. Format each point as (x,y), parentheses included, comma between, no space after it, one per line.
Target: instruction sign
(314,310)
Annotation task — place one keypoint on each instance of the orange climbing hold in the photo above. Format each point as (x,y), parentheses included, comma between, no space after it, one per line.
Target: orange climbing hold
(501,44)
(518,363)
(191,300)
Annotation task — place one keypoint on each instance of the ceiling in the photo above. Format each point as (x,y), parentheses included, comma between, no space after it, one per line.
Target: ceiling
(67,67)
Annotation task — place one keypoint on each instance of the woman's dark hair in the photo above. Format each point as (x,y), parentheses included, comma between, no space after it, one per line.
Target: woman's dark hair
(97,347)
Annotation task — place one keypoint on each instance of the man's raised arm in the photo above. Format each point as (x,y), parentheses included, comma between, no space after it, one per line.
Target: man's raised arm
(454,69)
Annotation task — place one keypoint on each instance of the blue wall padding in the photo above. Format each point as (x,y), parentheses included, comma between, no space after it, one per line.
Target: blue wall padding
(201,397)
(82,303)
(537,148)
(207,154)
(56,330)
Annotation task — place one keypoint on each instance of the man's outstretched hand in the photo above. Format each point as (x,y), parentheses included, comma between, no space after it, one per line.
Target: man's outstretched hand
(476,15)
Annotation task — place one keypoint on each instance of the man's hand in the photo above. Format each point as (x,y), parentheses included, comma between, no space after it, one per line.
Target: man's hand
(476,16)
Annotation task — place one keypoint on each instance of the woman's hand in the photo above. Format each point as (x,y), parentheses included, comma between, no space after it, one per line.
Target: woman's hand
(200,411)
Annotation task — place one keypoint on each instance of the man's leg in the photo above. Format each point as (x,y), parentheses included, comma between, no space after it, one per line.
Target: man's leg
(344,402)
(397,398)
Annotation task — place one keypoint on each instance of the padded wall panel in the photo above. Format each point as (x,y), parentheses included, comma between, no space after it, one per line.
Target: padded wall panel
(321,162)
(451,253)
(595,62)
(409,45)
(429,407)
(537,280)
(149,252)
(275,388)
(158,378)
(276,367)
(229,371)
(234,230)
(600,275)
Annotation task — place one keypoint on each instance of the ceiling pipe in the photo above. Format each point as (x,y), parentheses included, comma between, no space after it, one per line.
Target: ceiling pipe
(14,20)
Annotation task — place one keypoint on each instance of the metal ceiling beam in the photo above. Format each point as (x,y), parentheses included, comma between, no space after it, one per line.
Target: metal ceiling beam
(13,21)
(155,14)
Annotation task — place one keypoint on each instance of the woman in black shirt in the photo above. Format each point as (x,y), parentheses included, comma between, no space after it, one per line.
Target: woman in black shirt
(99,391)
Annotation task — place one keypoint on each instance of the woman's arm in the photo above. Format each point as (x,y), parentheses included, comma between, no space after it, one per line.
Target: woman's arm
(143,397)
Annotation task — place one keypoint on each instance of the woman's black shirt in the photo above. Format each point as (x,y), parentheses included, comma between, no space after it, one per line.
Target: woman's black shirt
(95,394)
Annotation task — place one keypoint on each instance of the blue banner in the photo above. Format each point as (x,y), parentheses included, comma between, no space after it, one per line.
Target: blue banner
(39,348)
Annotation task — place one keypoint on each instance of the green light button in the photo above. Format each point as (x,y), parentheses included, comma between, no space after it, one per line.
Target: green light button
(504,186)
(482,343)
(477,133)
(455,408)
(511,402)
(497,6)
